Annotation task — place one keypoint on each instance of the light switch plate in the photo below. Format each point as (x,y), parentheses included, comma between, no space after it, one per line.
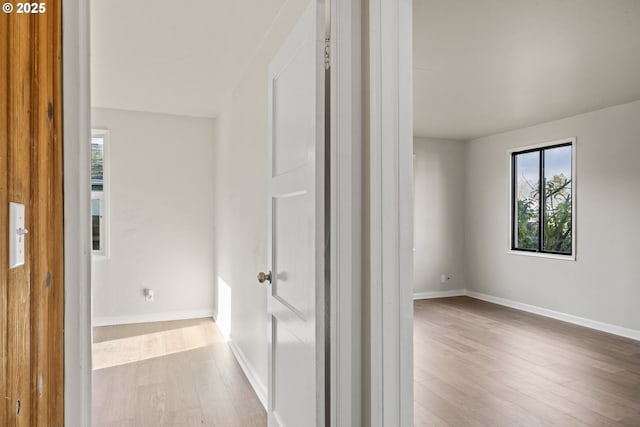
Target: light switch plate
(16,235)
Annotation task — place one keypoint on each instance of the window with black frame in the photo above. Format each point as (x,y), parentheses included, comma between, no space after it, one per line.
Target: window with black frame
(99,192)
(542,199)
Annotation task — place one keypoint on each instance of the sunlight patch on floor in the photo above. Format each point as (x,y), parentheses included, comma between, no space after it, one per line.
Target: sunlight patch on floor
(142,347)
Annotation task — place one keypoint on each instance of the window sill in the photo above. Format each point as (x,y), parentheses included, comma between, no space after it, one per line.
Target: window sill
(543,255)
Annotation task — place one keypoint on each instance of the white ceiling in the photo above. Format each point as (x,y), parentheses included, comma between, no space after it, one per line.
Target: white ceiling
(486,66)
(173,56)
(480,66)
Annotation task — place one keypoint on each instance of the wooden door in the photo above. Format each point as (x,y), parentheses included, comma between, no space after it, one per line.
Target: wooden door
(296,225)
(31,295)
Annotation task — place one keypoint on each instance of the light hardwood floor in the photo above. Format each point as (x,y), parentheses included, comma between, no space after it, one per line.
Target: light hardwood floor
(178,374)
(476,364)
(480,364)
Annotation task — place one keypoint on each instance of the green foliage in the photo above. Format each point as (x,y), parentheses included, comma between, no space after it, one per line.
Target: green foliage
(528,224)
(557,217)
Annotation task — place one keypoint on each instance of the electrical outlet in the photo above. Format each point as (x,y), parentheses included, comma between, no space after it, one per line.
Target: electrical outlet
(148,295)
(444,278)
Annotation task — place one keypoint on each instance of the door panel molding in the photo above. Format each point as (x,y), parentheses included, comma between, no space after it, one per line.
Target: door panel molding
(296,215)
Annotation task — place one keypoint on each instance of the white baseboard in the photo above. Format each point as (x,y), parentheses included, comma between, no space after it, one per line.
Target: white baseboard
(153,317)
(258,386)
(581,321)
(439,294)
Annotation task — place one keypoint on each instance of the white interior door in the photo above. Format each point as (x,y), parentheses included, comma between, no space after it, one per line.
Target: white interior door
(296,225)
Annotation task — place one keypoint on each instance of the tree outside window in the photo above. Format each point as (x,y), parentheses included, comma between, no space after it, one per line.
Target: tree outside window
(542,194)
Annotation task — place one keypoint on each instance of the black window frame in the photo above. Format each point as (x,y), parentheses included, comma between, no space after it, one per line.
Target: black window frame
(541,202)
(102,193)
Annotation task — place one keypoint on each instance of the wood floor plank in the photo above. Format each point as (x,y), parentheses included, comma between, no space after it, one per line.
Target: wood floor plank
(476,364)
(425,418)
(452,413)
(479,362)
(171,374)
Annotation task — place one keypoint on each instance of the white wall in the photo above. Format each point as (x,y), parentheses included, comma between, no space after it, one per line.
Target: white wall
(439,188)
(241,178)
(162,174)
(602,284)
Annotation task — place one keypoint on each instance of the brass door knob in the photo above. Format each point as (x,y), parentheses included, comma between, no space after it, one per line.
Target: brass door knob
(262,277)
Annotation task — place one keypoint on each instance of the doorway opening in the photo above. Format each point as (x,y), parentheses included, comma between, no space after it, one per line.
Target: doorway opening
(179,236)
(511,113)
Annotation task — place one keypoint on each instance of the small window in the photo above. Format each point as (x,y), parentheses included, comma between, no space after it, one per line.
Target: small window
(542,207)
(99,191)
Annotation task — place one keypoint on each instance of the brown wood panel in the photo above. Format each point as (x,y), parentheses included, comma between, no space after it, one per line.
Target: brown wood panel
(31,296)
(46,178)
(4,201)
(19,188)
(478,363)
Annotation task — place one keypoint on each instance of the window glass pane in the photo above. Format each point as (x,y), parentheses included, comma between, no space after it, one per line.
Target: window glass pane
(99,195)
(96,219)
(557,232)
(527,199)
(95,204)
(97,163)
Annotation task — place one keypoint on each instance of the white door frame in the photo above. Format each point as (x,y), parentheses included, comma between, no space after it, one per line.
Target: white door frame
(371,311)
(390,269)
(77,200)
(345,320)
(382,393)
